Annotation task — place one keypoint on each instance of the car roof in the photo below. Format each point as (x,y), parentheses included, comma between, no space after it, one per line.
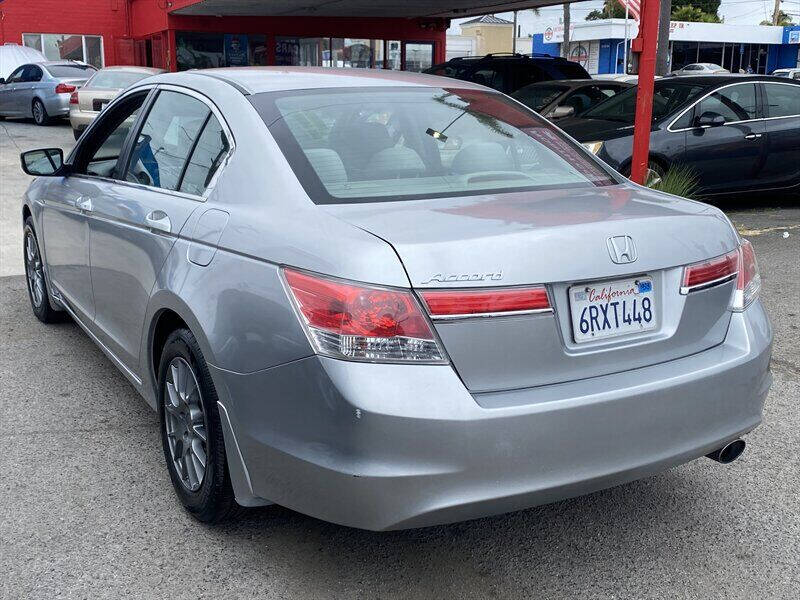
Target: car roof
(255,80)
(721,79)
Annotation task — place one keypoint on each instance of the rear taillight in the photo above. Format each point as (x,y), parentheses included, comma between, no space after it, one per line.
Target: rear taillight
(64,88)
(739,264)
(73,98)
(748,283)
(454,304)
(358,322)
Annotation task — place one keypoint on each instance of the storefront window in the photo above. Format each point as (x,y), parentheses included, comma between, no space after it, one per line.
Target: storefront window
(419,56)
(198,50)
(393,53)
(57,46)
(348,52)
(305,52)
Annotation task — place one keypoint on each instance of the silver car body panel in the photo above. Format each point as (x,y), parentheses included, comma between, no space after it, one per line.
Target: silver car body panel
(520,416)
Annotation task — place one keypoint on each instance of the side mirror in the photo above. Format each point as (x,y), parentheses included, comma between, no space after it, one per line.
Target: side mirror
(710,119)
(2,80)
(562,112)
(45,162)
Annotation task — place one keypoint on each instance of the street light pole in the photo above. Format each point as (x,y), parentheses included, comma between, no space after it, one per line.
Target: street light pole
(646,46)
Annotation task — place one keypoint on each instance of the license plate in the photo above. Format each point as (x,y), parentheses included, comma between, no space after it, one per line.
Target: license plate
(606,309)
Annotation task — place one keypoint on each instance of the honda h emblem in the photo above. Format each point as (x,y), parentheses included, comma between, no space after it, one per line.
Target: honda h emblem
(621,249)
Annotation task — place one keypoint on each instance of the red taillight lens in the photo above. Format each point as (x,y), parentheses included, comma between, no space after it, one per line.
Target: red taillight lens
(462,303)
(715,270)
(64,88)
(748,282)
(741,264)
(361,322)
(73,98)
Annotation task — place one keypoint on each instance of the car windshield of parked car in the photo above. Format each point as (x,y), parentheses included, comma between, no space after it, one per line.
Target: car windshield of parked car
(76,70)
(363,145)
(538,96)
(116,79)
(667,97)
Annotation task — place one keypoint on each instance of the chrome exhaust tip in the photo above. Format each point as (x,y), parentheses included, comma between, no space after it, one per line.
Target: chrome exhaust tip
(728,453)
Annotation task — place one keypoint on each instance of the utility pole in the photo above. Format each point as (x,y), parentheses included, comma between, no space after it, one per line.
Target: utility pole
(776,16)
(514,35)
(565,45)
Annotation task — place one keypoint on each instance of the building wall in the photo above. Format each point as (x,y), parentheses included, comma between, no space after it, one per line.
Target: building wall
(542,47)
(106,18)
(490,38)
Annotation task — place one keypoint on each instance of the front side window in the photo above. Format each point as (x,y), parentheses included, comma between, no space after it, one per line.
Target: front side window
(735,103)
(17,75)
(782,100)
(365,145)
(99,153)
(166,139)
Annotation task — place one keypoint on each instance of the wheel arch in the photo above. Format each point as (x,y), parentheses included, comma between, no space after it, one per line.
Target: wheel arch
(658,158)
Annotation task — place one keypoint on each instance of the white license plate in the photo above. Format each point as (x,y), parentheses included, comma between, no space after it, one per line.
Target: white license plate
(604,309)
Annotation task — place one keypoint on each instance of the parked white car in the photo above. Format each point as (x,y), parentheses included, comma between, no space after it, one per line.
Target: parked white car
(14,55)
(701,69)
(790,73)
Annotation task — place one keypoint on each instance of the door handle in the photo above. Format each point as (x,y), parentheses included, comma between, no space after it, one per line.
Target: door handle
(752,136)
(84,204)
(158,220)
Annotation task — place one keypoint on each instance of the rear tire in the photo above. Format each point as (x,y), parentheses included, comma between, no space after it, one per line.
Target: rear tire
(191,431)
(36,282)
(39,112)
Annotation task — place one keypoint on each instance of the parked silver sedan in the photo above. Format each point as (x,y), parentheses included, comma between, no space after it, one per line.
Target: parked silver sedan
(105,85)
(391,300)
(42,90)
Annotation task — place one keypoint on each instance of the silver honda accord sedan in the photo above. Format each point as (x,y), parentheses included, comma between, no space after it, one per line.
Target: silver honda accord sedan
(391,300)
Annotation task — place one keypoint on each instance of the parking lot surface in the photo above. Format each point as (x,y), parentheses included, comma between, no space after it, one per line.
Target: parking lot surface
(87,509)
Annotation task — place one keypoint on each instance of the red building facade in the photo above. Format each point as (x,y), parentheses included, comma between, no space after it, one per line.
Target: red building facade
(155,33)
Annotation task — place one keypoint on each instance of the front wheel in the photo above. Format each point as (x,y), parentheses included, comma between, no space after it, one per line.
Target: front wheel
(34,275)
(39,113)
(191,431)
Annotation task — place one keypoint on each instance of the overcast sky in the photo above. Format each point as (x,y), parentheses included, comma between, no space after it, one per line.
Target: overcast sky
(745,12)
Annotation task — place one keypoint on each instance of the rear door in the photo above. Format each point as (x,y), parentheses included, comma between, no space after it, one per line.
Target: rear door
(782,112)
(26,89)
(729,157)
(135,219)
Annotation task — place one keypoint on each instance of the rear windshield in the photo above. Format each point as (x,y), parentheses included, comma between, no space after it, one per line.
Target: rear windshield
(116,79)
(564,69)
(70,70)
(538,96)
(368,144)
(667,97)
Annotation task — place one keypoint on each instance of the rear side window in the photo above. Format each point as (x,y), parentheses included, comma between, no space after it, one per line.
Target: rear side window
(488,76)
(209,152)
(735,103)
(782,100)
(166,139)
(368,144)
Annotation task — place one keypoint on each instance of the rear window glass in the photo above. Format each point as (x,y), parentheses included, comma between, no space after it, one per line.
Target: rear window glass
(538,96)
(667,97)
(70,70)
(367,144)
(116,79)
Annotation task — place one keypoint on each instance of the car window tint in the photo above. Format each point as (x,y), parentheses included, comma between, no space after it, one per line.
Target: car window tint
(208,154)
(489,77)
(685,122)
(16,76)
(77,71)
(668,96)
(538,96)
(735,103)
(782,100)
(100,151)
(165,140)
(32,73)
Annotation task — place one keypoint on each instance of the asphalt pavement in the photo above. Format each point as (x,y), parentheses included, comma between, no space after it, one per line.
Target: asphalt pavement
(87,509)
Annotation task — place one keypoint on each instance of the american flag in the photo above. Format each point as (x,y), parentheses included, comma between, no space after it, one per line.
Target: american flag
(633,6)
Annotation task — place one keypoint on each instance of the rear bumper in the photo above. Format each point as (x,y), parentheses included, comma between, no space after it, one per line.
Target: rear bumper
(57,105)
(394,446)
(81,119)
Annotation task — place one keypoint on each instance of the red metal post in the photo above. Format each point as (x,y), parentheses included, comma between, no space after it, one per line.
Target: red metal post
(646,45)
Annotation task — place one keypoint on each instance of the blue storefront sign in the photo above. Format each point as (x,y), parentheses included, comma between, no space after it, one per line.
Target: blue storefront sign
(236,50)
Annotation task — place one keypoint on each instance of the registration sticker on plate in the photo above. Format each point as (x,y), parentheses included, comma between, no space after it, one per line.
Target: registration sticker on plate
(605,309)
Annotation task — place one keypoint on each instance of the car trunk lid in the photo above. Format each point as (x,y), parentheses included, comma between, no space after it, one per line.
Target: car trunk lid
(93,99)
(557,238)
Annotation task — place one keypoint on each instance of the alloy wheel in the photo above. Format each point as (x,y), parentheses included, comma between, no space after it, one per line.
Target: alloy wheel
(34,270)
(38,112)
(185,423)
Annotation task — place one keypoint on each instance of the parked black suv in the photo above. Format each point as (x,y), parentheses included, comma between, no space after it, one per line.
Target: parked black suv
(509,72)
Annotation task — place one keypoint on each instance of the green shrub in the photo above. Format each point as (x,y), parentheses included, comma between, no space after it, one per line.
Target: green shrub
(679,180)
